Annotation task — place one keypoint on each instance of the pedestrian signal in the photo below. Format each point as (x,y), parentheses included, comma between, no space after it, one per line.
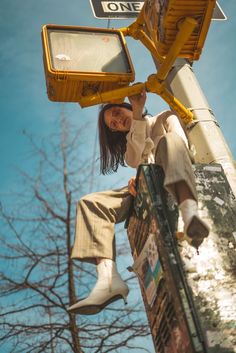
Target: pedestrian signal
(164,19)
(82,61)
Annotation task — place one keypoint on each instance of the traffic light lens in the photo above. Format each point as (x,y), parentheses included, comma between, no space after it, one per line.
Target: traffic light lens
(85,51)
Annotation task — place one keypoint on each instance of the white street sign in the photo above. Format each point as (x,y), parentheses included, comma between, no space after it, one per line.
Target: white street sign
(116,9)
(218,13)
(127,9)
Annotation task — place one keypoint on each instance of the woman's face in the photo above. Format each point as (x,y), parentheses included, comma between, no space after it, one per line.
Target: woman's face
(118,118)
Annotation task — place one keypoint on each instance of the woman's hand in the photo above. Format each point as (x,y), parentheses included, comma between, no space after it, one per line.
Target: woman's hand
(132,186)
(138,102)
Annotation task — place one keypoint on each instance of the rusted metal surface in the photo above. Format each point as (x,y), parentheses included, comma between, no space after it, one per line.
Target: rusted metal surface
(189,298)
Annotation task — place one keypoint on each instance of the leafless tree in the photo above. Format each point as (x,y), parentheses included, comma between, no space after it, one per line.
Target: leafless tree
(38,280)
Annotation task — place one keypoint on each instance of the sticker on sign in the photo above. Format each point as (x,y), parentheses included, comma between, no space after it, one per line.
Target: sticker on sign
(116,9)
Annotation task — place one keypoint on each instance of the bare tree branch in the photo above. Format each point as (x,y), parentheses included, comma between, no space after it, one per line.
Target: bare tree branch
(38,279)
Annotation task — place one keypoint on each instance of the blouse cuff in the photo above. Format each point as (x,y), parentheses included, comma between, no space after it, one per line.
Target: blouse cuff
(138,126)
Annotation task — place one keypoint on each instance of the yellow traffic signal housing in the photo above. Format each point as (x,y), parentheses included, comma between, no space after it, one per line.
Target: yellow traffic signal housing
(82,61)
(163,19)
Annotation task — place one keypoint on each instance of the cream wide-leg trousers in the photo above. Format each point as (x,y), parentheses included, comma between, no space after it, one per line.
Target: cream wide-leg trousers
(96,217)
(97,213)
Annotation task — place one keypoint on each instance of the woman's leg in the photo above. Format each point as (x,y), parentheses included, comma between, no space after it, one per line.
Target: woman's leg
(173,156)
(97,215)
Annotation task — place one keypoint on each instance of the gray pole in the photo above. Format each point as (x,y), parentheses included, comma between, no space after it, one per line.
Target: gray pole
(204,132)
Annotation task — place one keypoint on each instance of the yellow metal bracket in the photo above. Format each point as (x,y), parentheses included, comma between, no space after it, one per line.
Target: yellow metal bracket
(137,31)
(155,82)
(185,30)
(151,85)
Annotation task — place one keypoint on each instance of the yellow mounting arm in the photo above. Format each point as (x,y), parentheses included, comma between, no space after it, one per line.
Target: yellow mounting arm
(155,83)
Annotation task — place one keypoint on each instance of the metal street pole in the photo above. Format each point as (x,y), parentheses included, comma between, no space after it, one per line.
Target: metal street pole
(204,132)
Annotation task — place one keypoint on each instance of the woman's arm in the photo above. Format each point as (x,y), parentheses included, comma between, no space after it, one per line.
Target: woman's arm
(138,102)
(137,134)
(135,143)
(132,186)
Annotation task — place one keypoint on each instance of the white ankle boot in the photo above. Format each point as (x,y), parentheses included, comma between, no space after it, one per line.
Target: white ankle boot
(195,229)
(109,288)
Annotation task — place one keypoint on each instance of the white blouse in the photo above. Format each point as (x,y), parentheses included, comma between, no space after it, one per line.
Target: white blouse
(145,134)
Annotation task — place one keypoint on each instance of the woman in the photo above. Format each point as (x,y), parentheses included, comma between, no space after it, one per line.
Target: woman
(127,135)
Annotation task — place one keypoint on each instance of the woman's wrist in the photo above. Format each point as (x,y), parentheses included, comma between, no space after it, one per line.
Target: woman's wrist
(138,114)
(138,102)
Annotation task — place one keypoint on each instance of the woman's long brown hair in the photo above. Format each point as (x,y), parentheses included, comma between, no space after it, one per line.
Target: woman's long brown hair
(112,144)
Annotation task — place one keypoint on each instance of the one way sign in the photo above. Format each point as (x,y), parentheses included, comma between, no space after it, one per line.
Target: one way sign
(116,9)
(130,8)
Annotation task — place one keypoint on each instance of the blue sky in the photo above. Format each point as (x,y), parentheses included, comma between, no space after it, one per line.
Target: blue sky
(24,103)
